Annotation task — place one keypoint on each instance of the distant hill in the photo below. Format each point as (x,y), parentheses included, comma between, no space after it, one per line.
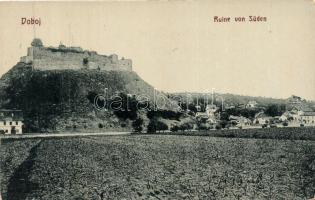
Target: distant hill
(60,100)
(240,100)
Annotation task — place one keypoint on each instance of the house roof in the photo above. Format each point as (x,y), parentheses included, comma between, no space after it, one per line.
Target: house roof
(286,114)
(261,115)
(211,107)
(308,114)
(301,107)
(14,115)
(239,118)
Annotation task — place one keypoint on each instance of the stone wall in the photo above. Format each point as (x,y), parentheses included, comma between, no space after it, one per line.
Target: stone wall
(50,58)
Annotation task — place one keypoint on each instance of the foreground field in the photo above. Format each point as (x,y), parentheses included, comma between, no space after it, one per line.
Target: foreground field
(157,167)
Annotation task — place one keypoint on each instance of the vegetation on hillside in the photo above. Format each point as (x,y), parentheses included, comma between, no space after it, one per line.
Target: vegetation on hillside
(63,100)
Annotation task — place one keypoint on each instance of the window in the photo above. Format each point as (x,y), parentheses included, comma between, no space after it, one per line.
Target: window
(17,123)
(10,123)
(4,123)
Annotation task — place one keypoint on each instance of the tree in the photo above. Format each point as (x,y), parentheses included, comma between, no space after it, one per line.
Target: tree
(161,126)
(85,61)
(218,127)
(186,126)
(137,124)
(223,123)
(100,125)
(128,107)
(155,125)
(203,126)
(174,128)
(275,110)
(165,114)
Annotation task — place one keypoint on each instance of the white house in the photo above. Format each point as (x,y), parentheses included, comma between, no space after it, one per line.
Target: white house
(251,104)
(286,116)
(303,114)
(308,118)
(198,108)
(210,110)
(11,121)
(240,121)
(262,118)
(209,115)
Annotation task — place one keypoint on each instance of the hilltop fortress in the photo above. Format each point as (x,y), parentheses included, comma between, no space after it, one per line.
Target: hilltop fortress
(61,58)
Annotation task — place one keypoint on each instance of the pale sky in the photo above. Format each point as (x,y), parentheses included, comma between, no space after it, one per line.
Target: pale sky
(176,46)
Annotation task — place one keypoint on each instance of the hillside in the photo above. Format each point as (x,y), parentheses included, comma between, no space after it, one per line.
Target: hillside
(62,100)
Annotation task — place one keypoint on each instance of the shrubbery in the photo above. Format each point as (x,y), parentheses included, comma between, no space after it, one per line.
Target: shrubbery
(137,124)
(156,125)
(166,114)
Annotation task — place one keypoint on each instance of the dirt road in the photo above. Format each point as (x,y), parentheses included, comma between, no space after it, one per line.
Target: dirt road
(47,135)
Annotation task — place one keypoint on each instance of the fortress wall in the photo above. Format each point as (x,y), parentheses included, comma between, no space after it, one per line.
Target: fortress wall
(50,64)
(108,67)
(55,59)
(125,64)
(118,67)
(101,60)
(26,59)
(45,59)
(42,53)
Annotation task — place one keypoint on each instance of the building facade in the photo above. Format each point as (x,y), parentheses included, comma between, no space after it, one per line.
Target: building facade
(11,122)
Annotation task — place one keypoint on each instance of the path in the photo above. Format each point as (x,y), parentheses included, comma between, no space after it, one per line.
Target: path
(47,135)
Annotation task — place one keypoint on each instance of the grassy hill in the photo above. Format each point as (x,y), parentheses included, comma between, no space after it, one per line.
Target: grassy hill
(63,100)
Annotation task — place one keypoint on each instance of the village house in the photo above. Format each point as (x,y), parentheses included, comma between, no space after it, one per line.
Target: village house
(302,114)
(240,121)
(262,118)
(209,115)
(286,116)
(299,114)
(308,118)
(251,104)
(11,121)
(210,110)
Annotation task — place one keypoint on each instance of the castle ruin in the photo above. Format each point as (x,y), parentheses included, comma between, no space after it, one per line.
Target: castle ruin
(75,58)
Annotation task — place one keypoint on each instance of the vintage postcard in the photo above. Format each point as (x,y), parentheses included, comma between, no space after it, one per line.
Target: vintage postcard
(157,100)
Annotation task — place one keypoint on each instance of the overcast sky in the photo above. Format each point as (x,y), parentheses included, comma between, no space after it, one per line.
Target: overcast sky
(176,46)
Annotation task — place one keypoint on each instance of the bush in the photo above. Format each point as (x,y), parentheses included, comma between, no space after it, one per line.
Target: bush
(186,126)
(137,125)
(174,128)
(128,108)
(218,127)
(223,123)
(85,61)
(155,125)
(203,126)
(166,114)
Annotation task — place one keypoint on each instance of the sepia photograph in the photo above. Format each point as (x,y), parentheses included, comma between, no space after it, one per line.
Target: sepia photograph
(128,100)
